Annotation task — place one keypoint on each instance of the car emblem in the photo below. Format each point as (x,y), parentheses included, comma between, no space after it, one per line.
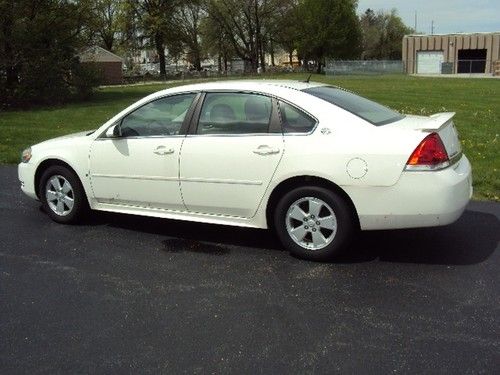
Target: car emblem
(325,131)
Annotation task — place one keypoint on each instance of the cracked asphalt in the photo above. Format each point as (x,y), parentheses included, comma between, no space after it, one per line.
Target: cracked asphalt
(128,294)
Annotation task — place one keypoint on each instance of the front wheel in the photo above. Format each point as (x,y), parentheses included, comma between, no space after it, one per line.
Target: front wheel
(314,223)
(62,195)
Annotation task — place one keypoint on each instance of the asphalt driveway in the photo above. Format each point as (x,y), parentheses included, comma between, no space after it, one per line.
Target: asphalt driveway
(124,294)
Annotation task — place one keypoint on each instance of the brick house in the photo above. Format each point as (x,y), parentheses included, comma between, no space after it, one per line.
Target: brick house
(107,62)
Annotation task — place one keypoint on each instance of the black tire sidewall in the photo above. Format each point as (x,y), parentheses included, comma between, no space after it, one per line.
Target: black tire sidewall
(343,213)
(80,200)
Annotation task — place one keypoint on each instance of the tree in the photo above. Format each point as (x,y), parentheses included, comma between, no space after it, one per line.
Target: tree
(154,22)
(382,34)
(238,20)
(284,27)
(216,42)
(244,22)
(188,20)
(39,42)
(106,21)
(329,28)
(371,33)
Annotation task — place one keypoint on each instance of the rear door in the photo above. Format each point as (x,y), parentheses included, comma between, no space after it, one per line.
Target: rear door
(227,162)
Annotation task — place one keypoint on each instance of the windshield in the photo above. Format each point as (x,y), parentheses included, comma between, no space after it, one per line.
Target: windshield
(373,112)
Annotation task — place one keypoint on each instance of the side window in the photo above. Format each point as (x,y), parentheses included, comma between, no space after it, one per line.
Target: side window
(234,113)
(294,120)
(162,117)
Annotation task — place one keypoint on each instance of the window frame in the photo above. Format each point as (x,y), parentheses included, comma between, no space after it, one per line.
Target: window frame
(274,127)
(283,115)
(184,126)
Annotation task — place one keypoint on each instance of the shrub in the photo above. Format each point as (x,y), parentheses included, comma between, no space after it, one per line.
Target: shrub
(39,42)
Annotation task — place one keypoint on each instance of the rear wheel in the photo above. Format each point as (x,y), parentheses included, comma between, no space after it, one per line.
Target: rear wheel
(62,195)
(314,223)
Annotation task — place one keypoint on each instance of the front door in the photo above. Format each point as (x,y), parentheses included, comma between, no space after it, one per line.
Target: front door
(141,167)
(227,165)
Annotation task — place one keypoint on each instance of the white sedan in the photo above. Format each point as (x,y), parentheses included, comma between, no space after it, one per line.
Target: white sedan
(312,161)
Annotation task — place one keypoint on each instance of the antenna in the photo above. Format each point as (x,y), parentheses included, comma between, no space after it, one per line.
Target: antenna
(415,21)
(308,79)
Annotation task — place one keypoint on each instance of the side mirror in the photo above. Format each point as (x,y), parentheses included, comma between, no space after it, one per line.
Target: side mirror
(114,131)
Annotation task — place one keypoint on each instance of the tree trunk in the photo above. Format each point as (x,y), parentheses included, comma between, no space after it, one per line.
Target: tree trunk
(271,45)
(262,57)
(318,70)
(11,70)
(108,40)
(290,58)
(254,62)
(258,40)
(160,50)
(197,60)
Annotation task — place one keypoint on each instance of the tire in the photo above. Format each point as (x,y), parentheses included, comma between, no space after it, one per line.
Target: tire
(62,195)
(314,223)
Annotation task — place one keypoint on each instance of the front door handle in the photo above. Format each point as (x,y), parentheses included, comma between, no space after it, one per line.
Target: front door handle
(266,150)
(162,150)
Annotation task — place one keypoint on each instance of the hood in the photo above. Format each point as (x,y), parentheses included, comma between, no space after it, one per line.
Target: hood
(65,138)
(73,135)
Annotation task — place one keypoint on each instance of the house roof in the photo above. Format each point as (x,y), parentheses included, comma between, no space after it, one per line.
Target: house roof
(98,54)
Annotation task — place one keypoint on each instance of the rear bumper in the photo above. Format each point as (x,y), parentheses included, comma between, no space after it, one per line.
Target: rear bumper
(26,175)
(418,199)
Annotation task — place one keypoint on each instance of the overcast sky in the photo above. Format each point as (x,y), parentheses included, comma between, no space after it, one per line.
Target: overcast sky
(449,16)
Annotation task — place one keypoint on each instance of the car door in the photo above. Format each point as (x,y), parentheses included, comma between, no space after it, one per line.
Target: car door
(140,166)
(229,159)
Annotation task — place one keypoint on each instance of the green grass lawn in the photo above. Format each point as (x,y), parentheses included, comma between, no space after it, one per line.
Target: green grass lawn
(476,102)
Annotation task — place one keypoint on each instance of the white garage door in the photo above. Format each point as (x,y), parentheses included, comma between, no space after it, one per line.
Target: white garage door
(429,62)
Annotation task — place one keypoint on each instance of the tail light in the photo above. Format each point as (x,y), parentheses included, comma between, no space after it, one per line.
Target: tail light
(429,155)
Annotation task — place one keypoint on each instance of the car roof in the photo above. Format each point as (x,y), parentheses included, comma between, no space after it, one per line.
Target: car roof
(253,84)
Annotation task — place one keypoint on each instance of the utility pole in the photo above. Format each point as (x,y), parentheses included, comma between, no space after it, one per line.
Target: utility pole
(415,22)
(432,27)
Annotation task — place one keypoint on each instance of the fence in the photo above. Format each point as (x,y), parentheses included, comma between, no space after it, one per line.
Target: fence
(340,67)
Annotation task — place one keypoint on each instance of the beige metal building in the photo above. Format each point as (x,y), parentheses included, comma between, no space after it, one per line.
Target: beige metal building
(452,53)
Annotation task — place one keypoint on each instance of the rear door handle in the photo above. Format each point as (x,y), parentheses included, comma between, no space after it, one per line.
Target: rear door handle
(162,150)
(266,150)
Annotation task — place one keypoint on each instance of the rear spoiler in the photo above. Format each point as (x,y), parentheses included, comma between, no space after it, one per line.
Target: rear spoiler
(438,121)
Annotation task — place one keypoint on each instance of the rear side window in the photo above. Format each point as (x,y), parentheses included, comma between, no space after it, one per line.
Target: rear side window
(368,110)
(294,120)
(235,113)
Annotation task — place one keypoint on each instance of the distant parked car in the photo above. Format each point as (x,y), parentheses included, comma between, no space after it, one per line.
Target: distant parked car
(314,162)
(150,68)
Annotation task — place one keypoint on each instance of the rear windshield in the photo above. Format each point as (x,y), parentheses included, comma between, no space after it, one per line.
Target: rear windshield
(373,112)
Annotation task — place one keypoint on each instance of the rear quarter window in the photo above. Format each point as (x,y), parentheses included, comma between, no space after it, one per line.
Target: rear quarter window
(293,120)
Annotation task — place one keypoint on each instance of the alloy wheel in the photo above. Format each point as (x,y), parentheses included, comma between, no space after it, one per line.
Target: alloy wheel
(311,223)
(60,196)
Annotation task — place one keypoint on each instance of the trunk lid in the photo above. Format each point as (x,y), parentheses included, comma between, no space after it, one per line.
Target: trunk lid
(440,123)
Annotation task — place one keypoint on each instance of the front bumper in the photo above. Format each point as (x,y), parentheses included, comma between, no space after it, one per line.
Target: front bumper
(26,175)
(418,199)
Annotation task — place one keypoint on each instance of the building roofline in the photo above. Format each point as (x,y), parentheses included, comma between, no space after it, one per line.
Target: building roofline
(448,34)
(102,49)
